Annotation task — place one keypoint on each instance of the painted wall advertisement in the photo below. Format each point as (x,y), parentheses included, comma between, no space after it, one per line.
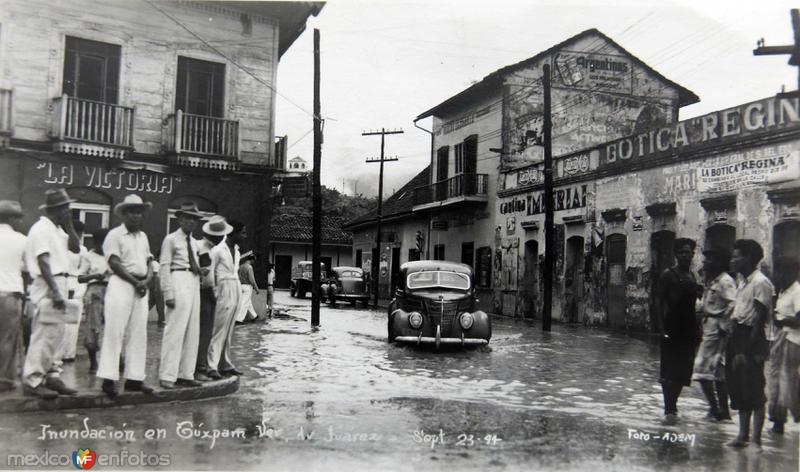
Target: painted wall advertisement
(767,165)
(606,72)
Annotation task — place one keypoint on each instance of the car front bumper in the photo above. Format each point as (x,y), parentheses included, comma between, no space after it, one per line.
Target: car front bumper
(437,341)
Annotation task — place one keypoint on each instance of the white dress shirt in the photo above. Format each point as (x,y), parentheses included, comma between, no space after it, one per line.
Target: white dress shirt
(12,259)
(45,237)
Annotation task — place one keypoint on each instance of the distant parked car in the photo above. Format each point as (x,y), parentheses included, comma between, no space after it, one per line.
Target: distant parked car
(301,278)
(435,304)
(346,284)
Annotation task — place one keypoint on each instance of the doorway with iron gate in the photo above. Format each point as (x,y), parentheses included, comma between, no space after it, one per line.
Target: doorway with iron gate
(616,246)
(283,271)
(530,279)
(573,280)
(786,241)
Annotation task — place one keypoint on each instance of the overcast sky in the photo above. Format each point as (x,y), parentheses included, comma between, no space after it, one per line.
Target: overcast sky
(385,62)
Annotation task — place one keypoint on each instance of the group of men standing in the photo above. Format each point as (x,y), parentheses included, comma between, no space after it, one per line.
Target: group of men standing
(199,283)
(749,342)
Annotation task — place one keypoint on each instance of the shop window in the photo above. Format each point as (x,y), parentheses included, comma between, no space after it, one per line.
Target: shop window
(200,87)
(438,252)
(91,70)
(94,216)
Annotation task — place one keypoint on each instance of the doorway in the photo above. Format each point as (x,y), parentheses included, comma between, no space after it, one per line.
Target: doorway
(468,254)
(395,268)
(530,279)
(283,271)
(662,257)
(786,240)
(573,280)
(615,254)
(720,236)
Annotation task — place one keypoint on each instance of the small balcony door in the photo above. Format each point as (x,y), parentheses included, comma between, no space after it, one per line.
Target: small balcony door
(200,87)
(91,70)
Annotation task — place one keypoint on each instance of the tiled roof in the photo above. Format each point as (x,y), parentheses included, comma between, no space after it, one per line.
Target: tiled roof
(494,80)
(398,204)
(297,228)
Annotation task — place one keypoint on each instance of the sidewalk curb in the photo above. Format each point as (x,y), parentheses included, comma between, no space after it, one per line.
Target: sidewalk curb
(96,399)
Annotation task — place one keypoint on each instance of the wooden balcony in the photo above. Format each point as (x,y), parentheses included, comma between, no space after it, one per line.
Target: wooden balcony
(92,128)
(6,107)
(460,188)
(202,141)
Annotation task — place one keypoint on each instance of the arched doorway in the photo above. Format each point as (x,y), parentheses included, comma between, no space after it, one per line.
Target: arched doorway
(720,236)
(662,257)
(616,246)
(573,280)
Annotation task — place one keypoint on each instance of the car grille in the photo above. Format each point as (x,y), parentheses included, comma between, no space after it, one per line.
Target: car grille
(443,314)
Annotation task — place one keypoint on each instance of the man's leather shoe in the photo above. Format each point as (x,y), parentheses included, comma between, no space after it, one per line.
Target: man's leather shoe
(214,374)
(187,383)
(58,386)
(166,384)
(201,377)
(110,388)
(137,386)
(230,372)
(39,391)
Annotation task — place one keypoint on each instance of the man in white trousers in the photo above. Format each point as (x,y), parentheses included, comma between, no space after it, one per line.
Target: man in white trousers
(180,285)
(225,279)
(128,253)
(50,240)
(75,290)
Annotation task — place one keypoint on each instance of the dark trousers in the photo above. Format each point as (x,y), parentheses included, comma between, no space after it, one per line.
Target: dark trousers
(10,338)
(207,306)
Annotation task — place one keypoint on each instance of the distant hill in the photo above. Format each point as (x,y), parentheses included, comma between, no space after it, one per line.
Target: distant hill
(334,204)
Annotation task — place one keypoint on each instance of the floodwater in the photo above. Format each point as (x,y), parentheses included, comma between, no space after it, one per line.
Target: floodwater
(341,397)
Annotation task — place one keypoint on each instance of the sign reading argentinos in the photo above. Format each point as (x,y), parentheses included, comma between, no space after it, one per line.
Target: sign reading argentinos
(603,72)
(715,128)
(132,180)
(564,198)
(734,171)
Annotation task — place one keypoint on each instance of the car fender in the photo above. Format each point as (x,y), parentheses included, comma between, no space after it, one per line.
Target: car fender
(482,327)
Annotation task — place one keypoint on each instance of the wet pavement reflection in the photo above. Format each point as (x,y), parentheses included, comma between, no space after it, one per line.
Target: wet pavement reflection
(341,397)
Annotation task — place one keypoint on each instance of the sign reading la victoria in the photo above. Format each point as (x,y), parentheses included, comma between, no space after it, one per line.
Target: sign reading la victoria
(750,119)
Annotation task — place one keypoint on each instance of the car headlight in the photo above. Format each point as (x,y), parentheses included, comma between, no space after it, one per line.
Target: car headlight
(466,320)
(415,319)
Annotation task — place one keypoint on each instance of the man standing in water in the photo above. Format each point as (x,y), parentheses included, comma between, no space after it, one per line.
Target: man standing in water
(678,291)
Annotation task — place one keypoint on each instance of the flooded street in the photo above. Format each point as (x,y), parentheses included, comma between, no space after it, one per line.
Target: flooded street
(340,397)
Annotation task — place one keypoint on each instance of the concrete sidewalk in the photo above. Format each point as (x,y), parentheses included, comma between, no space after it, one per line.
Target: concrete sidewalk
(76,375)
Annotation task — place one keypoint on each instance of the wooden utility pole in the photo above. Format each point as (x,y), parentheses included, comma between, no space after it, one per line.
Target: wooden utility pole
(792,50)
(375,265)
(549,232)
(316,244)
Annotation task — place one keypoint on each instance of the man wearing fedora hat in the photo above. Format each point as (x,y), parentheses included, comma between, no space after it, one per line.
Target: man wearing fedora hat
(127,250)
(12,291)
(46,258)
(180,284)
(225,278)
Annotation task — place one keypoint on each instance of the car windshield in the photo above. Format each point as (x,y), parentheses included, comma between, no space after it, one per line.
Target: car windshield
(437,278)
(350,273)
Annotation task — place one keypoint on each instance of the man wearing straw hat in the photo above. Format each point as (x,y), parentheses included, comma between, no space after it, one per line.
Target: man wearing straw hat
(127,250)
(225,278)
(12,291)
(180,284)
(46,258)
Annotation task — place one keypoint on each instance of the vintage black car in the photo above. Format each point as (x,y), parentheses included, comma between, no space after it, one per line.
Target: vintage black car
(301,278)
(434,304)
(345,284)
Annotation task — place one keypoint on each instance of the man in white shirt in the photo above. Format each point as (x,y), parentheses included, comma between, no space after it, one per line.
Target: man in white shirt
(783,378)
(128,253)
(225,278)
(12,291)
(270,288)
(180,283)
(46,258)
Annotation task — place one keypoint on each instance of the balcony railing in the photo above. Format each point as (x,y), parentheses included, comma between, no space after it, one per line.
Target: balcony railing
(5,112)
(101,126)
(462,185)
(202,136)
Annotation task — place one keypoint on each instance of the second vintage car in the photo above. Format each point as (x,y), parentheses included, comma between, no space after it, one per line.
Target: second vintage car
(345,284)
(434,304)
(301,278)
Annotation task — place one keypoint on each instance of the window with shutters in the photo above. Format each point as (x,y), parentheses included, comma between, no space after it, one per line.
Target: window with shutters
(200,88)
(91,70)
(458,151)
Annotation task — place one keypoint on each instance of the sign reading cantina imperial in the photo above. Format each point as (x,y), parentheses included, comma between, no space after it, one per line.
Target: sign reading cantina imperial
(750,120)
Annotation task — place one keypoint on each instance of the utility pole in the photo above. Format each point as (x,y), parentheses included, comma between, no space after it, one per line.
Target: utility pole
(375,266)
(316,225)
(549,232)
(792,50)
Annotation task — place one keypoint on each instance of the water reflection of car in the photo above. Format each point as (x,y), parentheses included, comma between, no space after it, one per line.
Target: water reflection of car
(434,304)
(345,284)
(301,278)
